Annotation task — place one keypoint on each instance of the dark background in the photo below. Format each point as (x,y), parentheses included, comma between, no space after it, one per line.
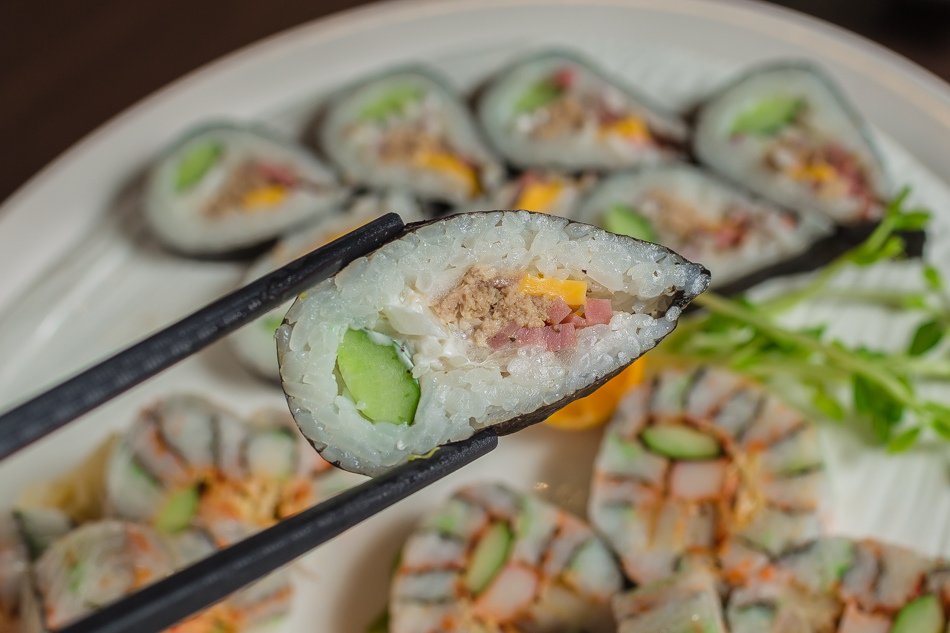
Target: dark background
(67,66)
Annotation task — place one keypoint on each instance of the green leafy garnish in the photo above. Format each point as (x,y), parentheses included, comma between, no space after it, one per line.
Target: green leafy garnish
(539,95)
(196,162)
(874,390)
(768,116)
(391,103)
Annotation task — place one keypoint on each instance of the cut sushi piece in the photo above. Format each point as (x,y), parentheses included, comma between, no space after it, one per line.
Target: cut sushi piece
(99,563)
(557,109)
(188,464)
(687,602)
(24,535)
(254,343)
(543,191)
(491,559)
(225,187)
(407,129)
(702,218)
(702,462)
(91,567)
(786,131)
(778,607)
(501,318)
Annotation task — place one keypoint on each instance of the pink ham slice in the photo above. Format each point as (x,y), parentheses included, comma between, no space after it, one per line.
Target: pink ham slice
(698,481)
(598,311)
(503,337)
(577,321)
(558,311)
(558,337)
(530,336)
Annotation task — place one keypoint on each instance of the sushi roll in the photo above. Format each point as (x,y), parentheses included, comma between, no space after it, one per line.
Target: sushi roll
(91,567)
(557,109)
(686,602)
(491,559)
(226,187)
(407,129)
(543,191)
(698,461)
(24,536)
(475,320)
(254,343)
(188,464)
(702,218)
(787,132)
(837,585)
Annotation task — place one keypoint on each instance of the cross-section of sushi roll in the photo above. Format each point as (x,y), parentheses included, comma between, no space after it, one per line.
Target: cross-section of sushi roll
(24,536)
(787,132)
(475,320)
(407,129)
(91,567)
(225,187)
(702,218)
(543,191)
(254,343)
(188,464)
(491,559)
(702,460)
(687,602)
(557,109)
(837,585)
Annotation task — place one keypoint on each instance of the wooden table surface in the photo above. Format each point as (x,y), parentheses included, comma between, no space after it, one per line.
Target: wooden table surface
(67,66)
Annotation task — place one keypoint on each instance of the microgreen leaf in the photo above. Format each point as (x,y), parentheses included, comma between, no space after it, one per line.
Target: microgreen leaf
(933,278)
(827,404)
(941,425)
(877,406)
(926,337)
(903,440)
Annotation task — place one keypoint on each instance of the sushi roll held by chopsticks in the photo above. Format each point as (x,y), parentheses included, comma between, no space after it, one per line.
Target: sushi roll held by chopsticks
(478,320)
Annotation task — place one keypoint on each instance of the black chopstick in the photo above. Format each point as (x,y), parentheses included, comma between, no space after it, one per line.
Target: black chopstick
(91,388)
(197,587)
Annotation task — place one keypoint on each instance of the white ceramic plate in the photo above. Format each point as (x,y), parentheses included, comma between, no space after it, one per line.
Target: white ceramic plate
(82,278)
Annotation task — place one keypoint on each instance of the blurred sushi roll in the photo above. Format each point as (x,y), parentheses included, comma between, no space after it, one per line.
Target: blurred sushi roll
(787,132)
(492,559)
(685,602)
(838,585)
(702,461)
(557,109)
(225,187)
(543,191)
(24,535)
(254,343)
(701,217)
(90,567)
(407,129)
(188,464)
(475,320)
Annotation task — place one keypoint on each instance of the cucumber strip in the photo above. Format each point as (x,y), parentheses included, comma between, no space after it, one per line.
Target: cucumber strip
(680,442)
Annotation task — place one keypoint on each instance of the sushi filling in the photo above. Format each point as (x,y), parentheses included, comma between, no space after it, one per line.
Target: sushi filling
(802,154)
(408,128)
(565,104)
(498,310)
(254,185)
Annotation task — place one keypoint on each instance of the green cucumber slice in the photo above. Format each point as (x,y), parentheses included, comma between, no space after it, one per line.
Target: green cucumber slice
(178,511)
(196,162)
(538,96)
(680,442)
(923,615)
(378,376)
(489,557)
(392,102)
(768,116)
(625,220)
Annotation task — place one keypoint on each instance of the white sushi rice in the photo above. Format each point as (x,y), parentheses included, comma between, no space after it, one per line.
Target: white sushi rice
(464,388)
